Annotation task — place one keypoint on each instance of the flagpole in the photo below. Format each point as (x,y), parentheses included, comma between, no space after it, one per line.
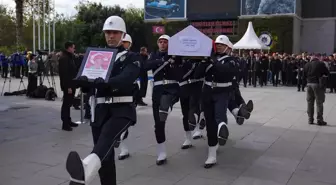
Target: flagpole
(34,29)
(54,18)
(38,25)
(49,11)
(44,26)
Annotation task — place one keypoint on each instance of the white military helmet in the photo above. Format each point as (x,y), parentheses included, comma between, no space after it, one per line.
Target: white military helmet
(127,38)
(115,23)
(230,45)
(223,39)
(166,37)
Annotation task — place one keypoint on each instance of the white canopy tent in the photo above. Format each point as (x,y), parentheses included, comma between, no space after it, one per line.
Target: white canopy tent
(250,40)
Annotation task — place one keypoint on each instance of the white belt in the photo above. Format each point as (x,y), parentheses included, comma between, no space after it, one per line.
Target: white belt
(215,84)
(118,99)
(164,82)
(190,81)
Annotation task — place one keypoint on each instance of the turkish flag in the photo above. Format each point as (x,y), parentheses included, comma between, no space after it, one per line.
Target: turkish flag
(158,29)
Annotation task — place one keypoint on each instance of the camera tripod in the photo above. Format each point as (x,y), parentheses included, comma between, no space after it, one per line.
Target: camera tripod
(10,81)
(45,75)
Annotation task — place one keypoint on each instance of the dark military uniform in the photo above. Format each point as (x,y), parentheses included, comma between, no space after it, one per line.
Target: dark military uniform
(165,89)
(190,96)
(218,73)
(114,112)
(236,103)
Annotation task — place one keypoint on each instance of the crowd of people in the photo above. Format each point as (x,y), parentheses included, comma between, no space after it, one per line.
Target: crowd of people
(285,69)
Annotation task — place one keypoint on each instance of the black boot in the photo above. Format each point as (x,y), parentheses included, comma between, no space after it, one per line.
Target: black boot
(66,127)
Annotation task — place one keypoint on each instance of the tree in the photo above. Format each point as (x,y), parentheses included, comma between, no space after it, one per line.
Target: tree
(19,20)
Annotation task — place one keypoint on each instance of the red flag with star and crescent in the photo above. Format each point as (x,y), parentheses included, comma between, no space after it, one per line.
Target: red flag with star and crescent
(158,29)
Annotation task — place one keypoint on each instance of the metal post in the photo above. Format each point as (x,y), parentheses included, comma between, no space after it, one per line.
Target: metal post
(38,25)
(34,29)
(54,19)
(49,11)
(44,28)
(81,109)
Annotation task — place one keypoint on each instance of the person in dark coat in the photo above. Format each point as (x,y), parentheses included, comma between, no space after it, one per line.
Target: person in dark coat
(143,77)
(67,72)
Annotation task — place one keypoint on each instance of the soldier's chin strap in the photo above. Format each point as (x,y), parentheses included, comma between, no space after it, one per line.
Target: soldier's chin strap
(120,41)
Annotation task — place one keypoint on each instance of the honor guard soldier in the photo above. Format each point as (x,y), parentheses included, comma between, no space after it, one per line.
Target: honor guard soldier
(219,73)
(237,106)
(114,111)
(166,74)
(124,153)
(190,99)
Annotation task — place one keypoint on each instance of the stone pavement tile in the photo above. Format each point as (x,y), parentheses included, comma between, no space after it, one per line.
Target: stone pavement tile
(277,163)
(143,180)
(238,132)
(24,169)
(35,179)
(195,180)
(331,128)
(252,145)
(218,173)
(265,134)
(298,136)
(319,158)
(170,172)
(327,177)
(263,173)
(242,180)
(171,148)
(134,165)
(297,180)
(287,149)
(237,158)
(58,171)
(325,138)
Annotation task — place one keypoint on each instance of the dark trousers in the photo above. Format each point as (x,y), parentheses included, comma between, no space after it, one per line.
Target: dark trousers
(162,101)
(284,77)
(104,138)
(66,105)
(4,71)
(300,83)
(143,85)
(190,104)
(87,107)
(32,84)
(245,75)
(315,93)
(250,77)
(236,99)
(275,78)
(264,77)
(215,109)
(254,78)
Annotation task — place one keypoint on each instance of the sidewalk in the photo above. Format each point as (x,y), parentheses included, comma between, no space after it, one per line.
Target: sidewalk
(275,147)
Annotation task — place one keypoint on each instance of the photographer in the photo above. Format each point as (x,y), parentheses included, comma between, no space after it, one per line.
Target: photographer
(32,75)
(67,72)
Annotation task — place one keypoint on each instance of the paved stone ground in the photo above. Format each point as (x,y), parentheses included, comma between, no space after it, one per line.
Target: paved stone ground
(275,147)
